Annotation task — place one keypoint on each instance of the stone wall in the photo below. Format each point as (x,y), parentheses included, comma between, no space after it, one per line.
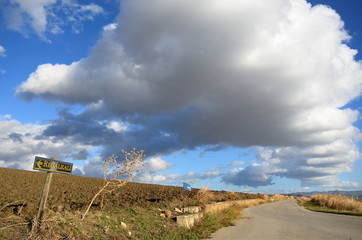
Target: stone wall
(197,212)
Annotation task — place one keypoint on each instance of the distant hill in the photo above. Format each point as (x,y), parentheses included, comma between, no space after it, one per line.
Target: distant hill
(354,194)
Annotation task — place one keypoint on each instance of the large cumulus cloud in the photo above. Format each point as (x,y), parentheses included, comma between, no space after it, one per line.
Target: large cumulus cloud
(183,74)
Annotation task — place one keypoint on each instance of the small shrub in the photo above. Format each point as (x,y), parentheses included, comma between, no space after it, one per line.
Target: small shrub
(126,170)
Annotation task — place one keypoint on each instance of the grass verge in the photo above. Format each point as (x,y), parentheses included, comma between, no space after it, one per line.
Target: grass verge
(118,223)
(316,204)
(317,208)
(212,222)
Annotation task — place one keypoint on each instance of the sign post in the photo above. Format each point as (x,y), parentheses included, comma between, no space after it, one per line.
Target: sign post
(50,166)
(44,197)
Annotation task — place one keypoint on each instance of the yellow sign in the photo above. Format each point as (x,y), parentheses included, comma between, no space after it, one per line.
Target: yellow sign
(51,165)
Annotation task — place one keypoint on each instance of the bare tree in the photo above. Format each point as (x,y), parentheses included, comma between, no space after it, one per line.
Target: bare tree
(117,174)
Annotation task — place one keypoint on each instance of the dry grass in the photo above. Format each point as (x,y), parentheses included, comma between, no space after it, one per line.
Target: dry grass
(304,199)
(338,202)
(278,197)
(204,196)
(251,203)
(275,197)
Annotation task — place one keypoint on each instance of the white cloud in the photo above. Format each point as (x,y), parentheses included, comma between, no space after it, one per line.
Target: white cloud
(313,166)
(110,27)
(235,163)
(204,175)
(22,142)
(152,178)
(2,54)
(19,13)
(2,51)
(175,178)
(150,171)
(92,8)
(116,126)
(76,13)
(242,73)
(5,117)
(44,16)
(231,164)
(156,164)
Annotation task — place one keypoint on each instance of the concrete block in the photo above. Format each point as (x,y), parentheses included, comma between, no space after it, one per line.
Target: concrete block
(191,209)
(188,220)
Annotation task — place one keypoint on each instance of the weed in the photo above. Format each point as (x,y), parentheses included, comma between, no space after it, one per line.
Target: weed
(62,224)
(163,205)
(95,235)
(131,211)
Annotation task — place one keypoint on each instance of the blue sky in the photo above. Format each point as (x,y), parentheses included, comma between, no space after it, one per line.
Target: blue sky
(235,95)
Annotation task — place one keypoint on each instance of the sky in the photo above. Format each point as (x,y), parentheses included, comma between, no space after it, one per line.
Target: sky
(236,95)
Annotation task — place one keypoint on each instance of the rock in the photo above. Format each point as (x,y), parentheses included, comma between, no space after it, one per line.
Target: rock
(60,208)
(123,225)
(162,215)
(178,210)
(168,213)
(106,229)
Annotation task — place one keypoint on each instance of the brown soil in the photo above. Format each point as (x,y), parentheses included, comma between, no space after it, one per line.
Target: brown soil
(20,193)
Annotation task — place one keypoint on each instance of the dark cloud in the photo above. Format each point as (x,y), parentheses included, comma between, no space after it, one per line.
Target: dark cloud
(252,176)
(81,155)
(153,136)
(16,137)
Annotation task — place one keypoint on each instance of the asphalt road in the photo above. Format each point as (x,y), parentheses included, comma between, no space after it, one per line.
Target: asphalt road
(286,220)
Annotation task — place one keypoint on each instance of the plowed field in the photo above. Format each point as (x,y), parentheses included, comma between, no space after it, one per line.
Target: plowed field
(20,193)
